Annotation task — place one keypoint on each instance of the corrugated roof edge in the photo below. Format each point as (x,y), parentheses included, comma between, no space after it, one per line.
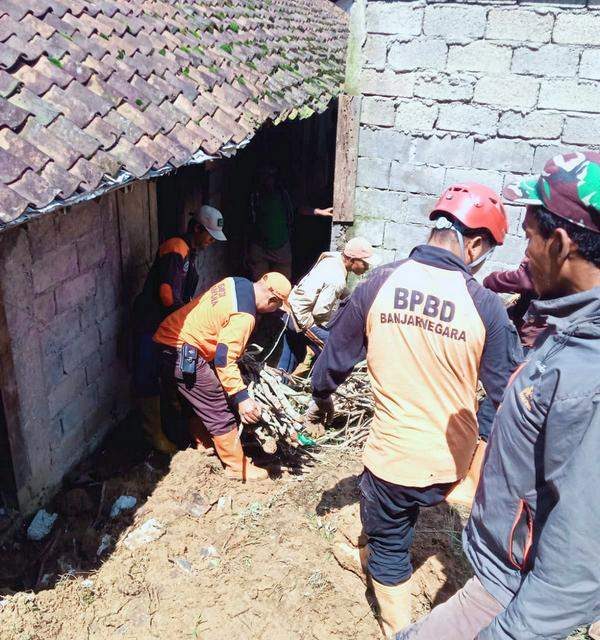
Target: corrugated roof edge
(123,179)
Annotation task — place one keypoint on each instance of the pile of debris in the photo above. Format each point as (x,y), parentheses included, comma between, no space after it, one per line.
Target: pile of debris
(285,403)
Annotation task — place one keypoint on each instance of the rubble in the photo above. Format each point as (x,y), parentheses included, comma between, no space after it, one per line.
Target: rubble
(184,565)
(282,426)
(196,505)
(225,504)
(148,532)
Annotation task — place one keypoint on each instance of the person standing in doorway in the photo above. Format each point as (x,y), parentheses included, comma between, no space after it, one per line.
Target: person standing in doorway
(170,284)
(272,220)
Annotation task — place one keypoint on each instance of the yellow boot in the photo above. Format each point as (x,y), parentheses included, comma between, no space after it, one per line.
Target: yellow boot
(394,607)
(237,465)
(352,559)
(303,369)
(149,409)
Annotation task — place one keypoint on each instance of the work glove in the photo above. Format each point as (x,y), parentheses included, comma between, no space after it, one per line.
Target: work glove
(320,410)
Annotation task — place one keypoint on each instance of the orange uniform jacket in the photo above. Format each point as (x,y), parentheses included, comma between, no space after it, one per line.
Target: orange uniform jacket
(218,324)
(170,284)
(430,332)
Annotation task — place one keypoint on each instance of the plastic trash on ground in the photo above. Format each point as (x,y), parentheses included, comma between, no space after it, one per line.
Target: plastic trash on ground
(41,525)
(122,503)
(105,543)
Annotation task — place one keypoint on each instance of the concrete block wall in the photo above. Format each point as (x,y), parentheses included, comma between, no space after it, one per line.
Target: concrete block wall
(65,299)
(451,91)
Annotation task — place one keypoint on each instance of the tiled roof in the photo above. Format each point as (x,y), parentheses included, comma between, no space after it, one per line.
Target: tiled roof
(93,92)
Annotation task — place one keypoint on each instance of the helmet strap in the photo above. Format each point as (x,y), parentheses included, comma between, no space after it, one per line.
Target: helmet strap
(444,223)
(482,258)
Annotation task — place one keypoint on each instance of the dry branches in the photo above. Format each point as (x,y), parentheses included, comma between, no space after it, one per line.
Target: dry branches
(284,405)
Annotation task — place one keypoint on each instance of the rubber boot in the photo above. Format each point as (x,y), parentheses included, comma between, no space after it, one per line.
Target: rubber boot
(151,423)
(237,465)
(200,437)
(303,369)
(353,559)
(394,607)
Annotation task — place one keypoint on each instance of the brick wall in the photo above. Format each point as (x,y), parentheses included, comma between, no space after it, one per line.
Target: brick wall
(457,90)
(66,282)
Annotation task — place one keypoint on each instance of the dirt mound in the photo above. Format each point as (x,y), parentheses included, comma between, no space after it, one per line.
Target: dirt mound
(229,561)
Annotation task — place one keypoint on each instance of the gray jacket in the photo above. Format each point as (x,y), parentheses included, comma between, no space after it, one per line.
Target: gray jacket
(533,538)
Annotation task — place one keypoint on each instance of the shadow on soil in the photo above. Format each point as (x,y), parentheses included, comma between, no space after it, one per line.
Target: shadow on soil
(84,533)
(438,535)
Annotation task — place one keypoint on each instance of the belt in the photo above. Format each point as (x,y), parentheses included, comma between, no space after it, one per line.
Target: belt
(168,350)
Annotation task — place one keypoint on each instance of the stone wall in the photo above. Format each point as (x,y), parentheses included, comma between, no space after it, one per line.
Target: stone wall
(485,91)
(67,278)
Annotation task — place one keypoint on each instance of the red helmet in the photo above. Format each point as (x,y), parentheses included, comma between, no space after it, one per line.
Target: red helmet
(475,206)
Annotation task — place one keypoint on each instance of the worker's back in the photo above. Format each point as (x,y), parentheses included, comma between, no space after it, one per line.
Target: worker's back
(426,323)
(171,283)
(314,299)
(425,339)
(229,303)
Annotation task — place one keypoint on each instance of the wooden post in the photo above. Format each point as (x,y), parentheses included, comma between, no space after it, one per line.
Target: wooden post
(346,157)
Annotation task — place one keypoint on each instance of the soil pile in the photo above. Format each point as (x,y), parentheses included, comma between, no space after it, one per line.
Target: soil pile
(203,557)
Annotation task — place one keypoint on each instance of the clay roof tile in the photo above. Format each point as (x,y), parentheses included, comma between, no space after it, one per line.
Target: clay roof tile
(89,89)
(20,148)
(35,189)
(13,204)
(11,167)
(11,115)
(65,181)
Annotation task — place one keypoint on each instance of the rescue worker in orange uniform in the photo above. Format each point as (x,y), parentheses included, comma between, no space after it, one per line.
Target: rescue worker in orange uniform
(430,331)
(170,284)
(199,348)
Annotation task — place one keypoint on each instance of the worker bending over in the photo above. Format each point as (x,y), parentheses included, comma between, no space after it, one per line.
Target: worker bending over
(430,331)
(532,539)
(170,284)
(200,345)
(314,299)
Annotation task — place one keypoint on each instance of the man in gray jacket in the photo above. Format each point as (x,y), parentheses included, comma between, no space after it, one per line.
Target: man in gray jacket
(534,530)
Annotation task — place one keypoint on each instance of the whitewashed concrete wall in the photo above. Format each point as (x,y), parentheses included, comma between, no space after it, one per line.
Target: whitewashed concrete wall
(484,91)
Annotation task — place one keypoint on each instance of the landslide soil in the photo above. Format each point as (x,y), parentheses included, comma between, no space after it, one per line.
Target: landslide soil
(257,566)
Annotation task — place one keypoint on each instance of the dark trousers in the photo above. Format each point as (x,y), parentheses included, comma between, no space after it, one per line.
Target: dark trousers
(389,514)
(201,393)
(146,365)
(295,344)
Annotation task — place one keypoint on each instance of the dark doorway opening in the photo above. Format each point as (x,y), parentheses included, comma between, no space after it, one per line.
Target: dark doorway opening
(8,487)
(303,152)
(179,194)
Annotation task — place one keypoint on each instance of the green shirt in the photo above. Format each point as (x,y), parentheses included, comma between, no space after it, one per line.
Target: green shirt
(271,221)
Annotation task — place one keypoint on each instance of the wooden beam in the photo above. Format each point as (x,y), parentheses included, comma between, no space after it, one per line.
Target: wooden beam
(346,157)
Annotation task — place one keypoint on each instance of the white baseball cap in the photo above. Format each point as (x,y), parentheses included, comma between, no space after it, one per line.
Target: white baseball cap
(212,220)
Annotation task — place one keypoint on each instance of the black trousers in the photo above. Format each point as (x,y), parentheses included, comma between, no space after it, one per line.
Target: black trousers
(389,515)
